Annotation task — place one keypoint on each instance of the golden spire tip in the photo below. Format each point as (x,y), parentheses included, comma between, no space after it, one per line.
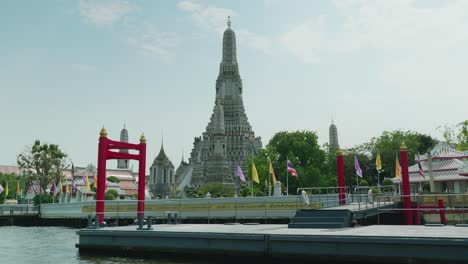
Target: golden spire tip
(403,146)
(142,138)
(103,132)
(339,152)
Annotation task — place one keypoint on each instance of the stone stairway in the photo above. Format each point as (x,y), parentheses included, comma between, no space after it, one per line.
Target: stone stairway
(321,219)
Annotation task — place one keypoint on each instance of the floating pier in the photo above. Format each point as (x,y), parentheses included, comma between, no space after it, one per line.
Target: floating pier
(372,244)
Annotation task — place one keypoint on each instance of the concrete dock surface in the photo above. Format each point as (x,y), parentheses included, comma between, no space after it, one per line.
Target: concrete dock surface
(374,244)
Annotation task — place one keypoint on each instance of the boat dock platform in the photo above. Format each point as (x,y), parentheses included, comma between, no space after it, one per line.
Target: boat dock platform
(371,244)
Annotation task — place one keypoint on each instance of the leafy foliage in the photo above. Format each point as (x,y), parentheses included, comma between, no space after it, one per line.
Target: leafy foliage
(456,136)
(113,179)
(113,192)
(43,163)
(302,149)
(388,145)
(363,183)
(387,181)
(12,181)
(43,198)
(109,196)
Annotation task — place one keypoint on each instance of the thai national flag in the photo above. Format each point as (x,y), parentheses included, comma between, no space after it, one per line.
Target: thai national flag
(292,170)
(421,170)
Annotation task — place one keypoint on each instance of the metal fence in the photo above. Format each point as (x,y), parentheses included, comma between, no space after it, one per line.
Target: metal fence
(18,209)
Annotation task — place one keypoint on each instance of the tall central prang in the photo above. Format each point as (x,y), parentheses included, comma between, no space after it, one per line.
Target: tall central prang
(229,139)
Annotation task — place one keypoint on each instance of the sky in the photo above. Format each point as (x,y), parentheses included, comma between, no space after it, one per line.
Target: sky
(70,67)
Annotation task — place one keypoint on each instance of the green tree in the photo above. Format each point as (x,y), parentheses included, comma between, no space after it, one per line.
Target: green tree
(302,149)
(456,136)
(43,163)
(388,145)
(365,163)
(12,180)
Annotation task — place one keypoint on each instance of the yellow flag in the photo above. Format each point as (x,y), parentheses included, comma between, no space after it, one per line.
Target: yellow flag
(67,190)
(378,163)
(6,190)
(397,168)
(254,173)
(87,184)
(95,182)
(18,189)
(272,173)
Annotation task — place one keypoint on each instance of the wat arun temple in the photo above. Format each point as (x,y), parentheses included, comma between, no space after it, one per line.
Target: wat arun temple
(228,140)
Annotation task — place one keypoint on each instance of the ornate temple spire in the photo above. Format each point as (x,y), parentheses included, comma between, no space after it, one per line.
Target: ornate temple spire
(333,134)
(229,46)
(123,164)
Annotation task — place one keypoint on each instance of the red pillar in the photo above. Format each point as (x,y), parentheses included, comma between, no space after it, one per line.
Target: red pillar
(341,177)
(443,219)
(101,175)
(406,185)
(141,178)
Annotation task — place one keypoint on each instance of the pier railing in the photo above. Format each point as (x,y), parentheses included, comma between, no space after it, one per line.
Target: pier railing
(18,209)
(432,208)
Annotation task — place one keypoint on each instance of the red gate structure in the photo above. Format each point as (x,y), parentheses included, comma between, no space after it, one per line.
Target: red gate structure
(406,185)
(105,153)
(341,177)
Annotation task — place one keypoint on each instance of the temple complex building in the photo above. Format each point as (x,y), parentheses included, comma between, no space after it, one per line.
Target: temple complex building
(161,180)
(229,139)
(449,170)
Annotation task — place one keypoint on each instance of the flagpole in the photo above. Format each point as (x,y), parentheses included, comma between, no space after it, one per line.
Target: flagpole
(269,175)
(287,178)
(252,185)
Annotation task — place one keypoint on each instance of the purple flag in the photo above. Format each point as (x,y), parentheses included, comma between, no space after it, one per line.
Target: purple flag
(1,188)
(240,173)
(56,191)
(357,167)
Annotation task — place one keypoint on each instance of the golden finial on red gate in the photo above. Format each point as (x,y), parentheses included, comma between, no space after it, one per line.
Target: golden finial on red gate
(142,138)
(103,132)
(403,146)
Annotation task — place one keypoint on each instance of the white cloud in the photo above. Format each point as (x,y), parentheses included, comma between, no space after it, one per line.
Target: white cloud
(103,13)
(154,42)
(390,26)
(215,18)
(188,6)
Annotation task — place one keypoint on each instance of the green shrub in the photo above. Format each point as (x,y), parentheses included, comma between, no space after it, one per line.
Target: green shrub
(122,197)
(363,183)
(259,193)
(42,198)
(113,179)
(387,181)
(109,196)
(113,192)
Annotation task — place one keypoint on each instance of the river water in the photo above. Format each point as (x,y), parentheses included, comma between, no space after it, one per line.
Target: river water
(34,245)
(55,245)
